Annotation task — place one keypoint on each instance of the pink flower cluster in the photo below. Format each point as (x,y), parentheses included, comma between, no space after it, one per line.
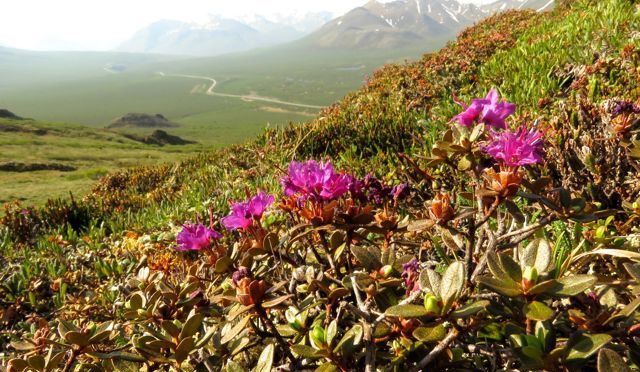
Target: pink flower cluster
(516,149)
(511,149)
(195,237)
(305,181)
(315,180)
(243,214)
(489,110)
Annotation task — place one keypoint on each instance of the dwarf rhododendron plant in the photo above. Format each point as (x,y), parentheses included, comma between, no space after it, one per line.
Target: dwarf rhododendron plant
(516,149)
(195,237)
(244,214)
(489,110)
(315,180)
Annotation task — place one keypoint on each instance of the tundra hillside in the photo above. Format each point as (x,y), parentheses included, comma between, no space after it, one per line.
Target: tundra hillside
(475,210)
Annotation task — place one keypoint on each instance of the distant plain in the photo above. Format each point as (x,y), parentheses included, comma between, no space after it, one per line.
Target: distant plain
(77,94)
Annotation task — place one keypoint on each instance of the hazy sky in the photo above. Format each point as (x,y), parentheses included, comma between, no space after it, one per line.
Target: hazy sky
(103,24)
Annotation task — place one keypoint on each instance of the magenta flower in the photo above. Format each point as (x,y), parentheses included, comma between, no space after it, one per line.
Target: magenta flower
(195,237)
(411,274)
(490,111)
(243,214)
(313,180)
(471,113)
(514,149)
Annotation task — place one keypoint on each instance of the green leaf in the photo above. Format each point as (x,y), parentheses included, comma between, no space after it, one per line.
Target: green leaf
(430,281)
(77,338)
(537,311)
(574,284)
(511,267)
(497,267)
(367,257)
(609,360)
(170,328)
(206,337)
(470,309)
(233,332)
(192,325)
(36,362)
(265,361)
(305,351)
(332,330)
(531,357)
(102,332)
(232,366)
(406,311)
(633,269)
(499,286)
(536,254)
(64,327)
(626,311)
(545,333)
(584,345)
(183,350)
(327,367)
(544,287)
(54,360)
(276,301)
(349,342)
(22,345)
(452,284)
(120,355)
(18,364)
(464,163)
(136,301)
(430,334)
(610,252)
(420,225)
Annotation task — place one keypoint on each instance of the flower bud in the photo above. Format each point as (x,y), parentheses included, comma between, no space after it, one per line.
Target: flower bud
(441,210)
(529,277)
(302,288)
(385,271)
(431,304)
(293,318)
(318,337)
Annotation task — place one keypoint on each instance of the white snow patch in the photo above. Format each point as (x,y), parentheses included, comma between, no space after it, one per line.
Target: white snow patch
(451,14)
(546,6)
(339,22)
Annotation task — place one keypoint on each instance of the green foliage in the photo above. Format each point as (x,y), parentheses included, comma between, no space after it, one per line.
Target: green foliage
(544,269)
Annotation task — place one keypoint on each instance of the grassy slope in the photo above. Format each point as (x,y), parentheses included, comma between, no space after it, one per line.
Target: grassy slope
(74,88)
(93,152)
(402,108)
(94,97)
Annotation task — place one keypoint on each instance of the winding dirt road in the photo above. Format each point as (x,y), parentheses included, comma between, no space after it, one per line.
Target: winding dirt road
(245,97)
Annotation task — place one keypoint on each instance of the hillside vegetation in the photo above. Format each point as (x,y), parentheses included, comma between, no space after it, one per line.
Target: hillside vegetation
(408,227)
(83,154)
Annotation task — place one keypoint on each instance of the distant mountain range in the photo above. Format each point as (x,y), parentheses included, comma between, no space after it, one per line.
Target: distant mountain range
(221,35)
(402,22)
(389,24)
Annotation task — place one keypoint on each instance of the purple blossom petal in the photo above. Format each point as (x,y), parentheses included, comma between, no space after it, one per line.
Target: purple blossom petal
(514,149)
(472,113)
(490,111)
(313,180)
(195,237)
(243,214)
(259,203)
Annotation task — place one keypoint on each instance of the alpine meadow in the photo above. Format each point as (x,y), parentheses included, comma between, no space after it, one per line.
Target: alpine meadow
(408,185)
